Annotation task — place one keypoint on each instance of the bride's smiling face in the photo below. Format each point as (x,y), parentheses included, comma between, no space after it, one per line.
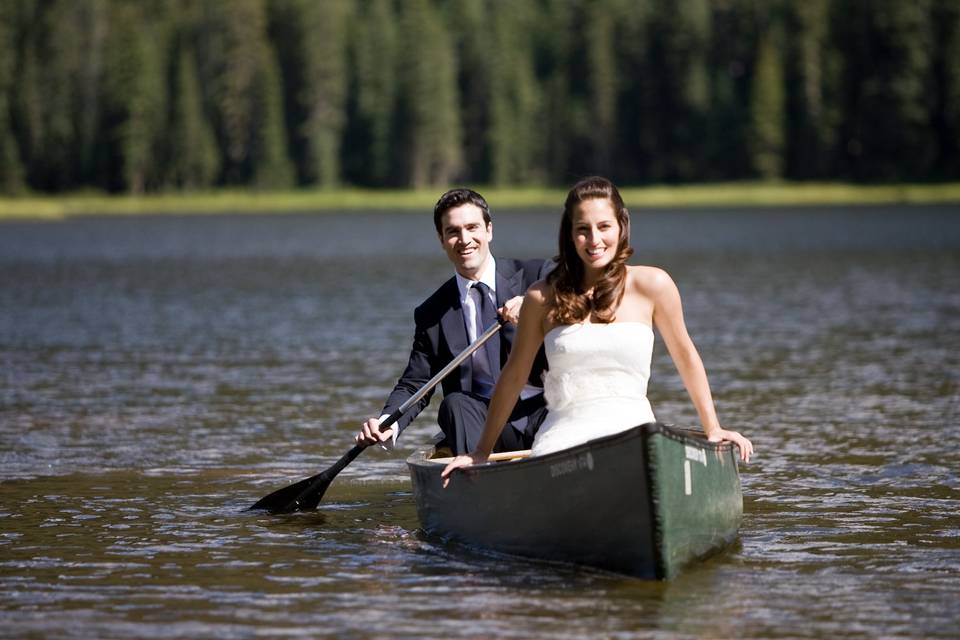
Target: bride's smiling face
(596,232)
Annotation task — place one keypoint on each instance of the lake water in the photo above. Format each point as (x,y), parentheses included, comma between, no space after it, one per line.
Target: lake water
(160,374)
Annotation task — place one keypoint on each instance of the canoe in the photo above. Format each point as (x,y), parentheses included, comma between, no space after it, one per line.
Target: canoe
(644,502)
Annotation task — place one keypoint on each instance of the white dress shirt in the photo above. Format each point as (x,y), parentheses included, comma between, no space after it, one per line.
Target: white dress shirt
(471,317)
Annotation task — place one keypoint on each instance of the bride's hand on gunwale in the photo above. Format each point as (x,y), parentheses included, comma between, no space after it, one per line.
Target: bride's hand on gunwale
(459,462)
(745,446)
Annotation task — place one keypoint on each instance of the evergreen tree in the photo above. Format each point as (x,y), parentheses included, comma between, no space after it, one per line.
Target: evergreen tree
(11,169)
(194,160)
(767,109)
(428,97)
(51,51)
(143,95)
(733,52)
(375,55)
(886,68)
(470,28)
(311,42)
(680,36)
(629,46)
(286,33)
(230,50)
(562,109)
(271,163)
(136,96)
(325,87)
(602,84)
(809,70)
(946,89)
(514,131)
(93,16)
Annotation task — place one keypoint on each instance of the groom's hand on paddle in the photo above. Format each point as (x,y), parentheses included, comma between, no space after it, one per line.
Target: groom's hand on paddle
(371,434)
(510,311)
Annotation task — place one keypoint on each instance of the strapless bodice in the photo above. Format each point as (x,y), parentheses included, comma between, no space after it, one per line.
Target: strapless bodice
(591,362)
(596,383)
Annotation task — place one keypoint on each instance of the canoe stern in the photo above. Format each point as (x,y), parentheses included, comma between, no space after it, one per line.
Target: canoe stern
(695,494)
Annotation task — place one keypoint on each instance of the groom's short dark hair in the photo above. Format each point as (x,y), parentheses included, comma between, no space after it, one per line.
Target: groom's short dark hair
(456,197)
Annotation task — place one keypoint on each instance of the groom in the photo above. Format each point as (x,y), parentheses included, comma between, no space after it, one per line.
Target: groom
(451,319)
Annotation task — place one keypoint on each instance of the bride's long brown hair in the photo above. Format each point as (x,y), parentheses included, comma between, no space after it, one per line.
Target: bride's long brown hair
(570,304)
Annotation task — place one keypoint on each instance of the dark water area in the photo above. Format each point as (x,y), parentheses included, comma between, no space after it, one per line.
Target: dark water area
(158,375)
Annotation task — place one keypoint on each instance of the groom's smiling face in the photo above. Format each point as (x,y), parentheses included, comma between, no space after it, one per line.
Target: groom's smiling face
(466,237)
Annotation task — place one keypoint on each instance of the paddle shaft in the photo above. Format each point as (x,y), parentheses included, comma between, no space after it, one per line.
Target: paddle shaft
(443,373)
(390,420)
(306,494)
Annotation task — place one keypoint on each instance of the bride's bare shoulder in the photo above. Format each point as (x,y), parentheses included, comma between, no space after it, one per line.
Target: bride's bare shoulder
(649,280)
(539,293)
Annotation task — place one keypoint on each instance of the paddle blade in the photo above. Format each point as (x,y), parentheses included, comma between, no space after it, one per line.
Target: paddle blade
(306,494)
(287,500)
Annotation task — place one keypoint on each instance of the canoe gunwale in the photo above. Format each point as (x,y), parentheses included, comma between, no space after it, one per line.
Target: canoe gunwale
(687,436)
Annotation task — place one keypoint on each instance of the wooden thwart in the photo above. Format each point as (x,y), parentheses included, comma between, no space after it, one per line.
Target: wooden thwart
(494,457)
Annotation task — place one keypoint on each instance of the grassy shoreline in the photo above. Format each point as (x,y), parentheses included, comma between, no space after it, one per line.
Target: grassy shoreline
(39,207)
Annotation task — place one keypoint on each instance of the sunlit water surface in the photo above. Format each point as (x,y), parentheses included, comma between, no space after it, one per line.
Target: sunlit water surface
(161,374)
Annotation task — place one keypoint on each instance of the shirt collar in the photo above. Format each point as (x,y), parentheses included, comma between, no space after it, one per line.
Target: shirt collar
(488,277)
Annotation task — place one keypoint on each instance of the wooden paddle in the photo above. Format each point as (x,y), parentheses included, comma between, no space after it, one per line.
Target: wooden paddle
(306,494)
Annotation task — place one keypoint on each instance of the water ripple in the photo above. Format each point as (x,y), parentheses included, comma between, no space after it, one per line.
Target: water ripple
(149,393)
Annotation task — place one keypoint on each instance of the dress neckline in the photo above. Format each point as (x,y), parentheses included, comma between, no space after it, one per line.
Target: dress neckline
(582,325)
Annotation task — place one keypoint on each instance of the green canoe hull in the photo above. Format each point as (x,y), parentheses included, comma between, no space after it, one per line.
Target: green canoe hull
(644,502)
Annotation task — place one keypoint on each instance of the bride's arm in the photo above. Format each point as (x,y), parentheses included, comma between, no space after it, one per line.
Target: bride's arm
(668,318)
(513,376)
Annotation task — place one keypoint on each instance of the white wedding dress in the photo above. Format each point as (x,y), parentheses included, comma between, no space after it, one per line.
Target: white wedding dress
(596,384)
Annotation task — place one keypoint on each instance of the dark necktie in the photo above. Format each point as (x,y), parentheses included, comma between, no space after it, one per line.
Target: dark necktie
(488,316)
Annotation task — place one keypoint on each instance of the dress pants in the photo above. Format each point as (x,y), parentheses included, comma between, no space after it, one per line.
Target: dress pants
(461,417)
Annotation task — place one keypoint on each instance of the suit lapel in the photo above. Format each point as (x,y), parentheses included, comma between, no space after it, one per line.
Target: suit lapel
(509,282)
(509,285)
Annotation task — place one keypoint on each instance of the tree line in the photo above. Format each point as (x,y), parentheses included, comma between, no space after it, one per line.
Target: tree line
(148,95)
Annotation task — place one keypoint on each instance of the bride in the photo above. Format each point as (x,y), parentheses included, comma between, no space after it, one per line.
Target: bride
(595,316)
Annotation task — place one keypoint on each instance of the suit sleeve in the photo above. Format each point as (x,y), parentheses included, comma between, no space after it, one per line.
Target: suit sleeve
(418,372)
(545,268)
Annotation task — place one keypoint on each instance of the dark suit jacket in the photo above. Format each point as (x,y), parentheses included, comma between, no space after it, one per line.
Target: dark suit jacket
(440,335)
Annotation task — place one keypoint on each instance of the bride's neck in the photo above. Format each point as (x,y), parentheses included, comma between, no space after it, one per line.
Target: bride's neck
(589,281)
